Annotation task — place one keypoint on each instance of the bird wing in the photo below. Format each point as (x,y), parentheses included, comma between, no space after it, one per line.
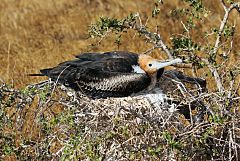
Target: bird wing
(109,76)
(106,55)
(97,83)
(120,65)
(102,84)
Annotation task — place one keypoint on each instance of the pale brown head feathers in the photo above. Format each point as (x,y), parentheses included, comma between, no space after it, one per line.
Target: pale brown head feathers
(145,62)
(151,65)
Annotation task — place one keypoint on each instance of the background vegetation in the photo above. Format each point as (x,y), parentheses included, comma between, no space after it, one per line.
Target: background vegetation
(39,34)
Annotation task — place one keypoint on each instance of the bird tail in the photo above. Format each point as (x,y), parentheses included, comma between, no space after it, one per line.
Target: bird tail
(38,74)
(44,72)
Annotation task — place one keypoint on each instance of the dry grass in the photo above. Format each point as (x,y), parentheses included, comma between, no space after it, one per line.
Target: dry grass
(38,34)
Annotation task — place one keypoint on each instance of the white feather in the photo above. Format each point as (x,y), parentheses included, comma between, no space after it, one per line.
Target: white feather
(137,69)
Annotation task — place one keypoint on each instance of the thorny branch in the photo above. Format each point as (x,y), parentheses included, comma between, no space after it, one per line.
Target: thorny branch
(154,38)
(216,46)
(223,23)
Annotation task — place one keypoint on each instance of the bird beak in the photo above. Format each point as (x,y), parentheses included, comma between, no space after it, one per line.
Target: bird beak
(163,64)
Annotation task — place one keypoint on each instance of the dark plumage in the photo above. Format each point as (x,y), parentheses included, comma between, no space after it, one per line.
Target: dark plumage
(109,74)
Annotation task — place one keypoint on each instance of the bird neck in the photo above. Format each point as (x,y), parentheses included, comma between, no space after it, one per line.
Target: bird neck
(153,82)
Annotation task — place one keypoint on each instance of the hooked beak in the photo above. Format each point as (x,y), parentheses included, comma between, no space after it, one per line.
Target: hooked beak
(163,64)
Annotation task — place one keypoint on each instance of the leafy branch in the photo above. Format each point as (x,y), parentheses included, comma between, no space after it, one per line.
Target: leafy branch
(213,52)
(133,21)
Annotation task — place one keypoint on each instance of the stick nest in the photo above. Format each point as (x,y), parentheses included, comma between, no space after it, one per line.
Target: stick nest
(46,121)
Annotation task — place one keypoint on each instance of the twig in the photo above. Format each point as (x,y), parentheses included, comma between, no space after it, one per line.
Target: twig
(187,65)
(154,38)
(150,50)
(216,75)
(217,42)
(223,23)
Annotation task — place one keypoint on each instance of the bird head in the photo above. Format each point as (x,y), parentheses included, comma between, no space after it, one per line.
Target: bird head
(151,65)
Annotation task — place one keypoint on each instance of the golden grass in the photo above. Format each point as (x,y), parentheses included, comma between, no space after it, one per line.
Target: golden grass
(39,34)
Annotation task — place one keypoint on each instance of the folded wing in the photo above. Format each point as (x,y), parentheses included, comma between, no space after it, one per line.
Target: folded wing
(100,76)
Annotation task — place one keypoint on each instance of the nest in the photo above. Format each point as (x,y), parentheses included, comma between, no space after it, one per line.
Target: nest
(165,123)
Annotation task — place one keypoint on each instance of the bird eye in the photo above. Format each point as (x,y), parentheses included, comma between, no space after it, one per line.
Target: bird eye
(149,65)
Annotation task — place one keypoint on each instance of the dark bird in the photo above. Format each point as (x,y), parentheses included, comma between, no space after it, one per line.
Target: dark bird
(109,74)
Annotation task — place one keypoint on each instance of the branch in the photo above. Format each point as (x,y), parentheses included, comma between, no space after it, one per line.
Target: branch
(216,75)
(154,38)
(223,23)
(216,46)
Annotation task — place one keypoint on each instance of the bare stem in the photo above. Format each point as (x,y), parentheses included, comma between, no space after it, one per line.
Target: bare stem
(223,23)
(217,42)
(154,38)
